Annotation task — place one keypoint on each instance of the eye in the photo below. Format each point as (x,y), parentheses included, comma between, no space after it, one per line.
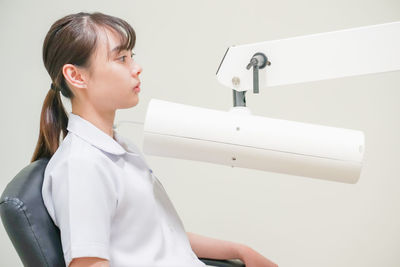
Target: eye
(123,58)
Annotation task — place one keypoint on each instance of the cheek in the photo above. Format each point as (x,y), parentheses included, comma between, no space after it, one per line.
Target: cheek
(110,79)
(110,84)
(117,76)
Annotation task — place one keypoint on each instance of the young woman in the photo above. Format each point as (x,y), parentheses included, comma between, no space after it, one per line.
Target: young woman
(98,189)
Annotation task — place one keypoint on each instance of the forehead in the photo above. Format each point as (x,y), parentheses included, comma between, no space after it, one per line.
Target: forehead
(108,42)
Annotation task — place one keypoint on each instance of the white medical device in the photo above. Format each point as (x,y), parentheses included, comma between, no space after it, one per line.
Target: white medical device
(239,139)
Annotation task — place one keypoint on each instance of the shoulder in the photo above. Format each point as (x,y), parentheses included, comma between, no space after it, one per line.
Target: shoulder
(74,147)
(76,158)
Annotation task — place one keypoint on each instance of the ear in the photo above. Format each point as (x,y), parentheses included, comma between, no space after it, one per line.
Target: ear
(75,76)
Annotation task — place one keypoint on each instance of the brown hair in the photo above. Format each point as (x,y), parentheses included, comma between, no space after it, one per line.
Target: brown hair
(71,39)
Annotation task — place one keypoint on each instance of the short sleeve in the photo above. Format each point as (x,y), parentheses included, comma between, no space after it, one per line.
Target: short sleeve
(85,198)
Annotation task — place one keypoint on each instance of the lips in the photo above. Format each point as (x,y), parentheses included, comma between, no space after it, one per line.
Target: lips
(137,88)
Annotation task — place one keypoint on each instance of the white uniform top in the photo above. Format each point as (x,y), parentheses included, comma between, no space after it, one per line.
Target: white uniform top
(108,203)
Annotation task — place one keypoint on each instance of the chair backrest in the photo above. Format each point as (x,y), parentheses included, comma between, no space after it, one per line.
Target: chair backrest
(31,230)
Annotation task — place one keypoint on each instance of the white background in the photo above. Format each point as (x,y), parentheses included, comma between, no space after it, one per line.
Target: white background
(293,220)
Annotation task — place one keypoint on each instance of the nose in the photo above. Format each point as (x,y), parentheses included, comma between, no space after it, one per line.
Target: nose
(137,69)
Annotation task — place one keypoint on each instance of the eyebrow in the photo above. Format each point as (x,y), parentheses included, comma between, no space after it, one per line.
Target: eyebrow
(115,49)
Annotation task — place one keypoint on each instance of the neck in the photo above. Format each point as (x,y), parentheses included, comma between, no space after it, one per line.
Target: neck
(102,120)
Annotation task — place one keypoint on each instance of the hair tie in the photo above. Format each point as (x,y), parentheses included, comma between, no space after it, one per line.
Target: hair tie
(53,87)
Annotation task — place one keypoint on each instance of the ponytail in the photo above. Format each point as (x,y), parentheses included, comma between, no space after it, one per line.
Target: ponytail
(53,120)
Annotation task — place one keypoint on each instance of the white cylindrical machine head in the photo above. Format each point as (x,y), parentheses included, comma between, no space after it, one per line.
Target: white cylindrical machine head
(239,139)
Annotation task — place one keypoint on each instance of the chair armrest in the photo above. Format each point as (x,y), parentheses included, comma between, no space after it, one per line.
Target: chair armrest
(223,263)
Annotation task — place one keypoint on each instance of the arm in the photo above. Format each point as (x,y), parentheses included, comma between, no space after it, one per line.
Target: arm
(205,247)
(89,262)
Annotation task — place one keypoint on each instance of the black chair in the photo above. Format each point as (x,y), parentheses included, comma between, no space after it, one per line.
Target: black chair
(32,231)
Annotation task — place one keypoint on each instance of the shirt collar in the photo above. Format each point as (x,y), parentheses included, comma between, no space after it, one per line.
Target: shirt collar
(96,137)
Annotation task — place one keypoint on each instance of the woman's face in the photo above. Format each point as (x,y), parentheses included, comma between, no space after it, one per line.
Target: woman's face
(113,76)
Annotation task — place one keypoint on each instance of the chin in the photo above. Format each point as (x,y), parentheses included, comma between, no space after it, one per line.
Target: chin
(135,102)
(129,104)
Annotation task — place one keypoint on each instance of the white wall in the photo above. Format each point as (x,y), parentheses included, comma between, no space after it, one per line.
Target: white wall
(294,221)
